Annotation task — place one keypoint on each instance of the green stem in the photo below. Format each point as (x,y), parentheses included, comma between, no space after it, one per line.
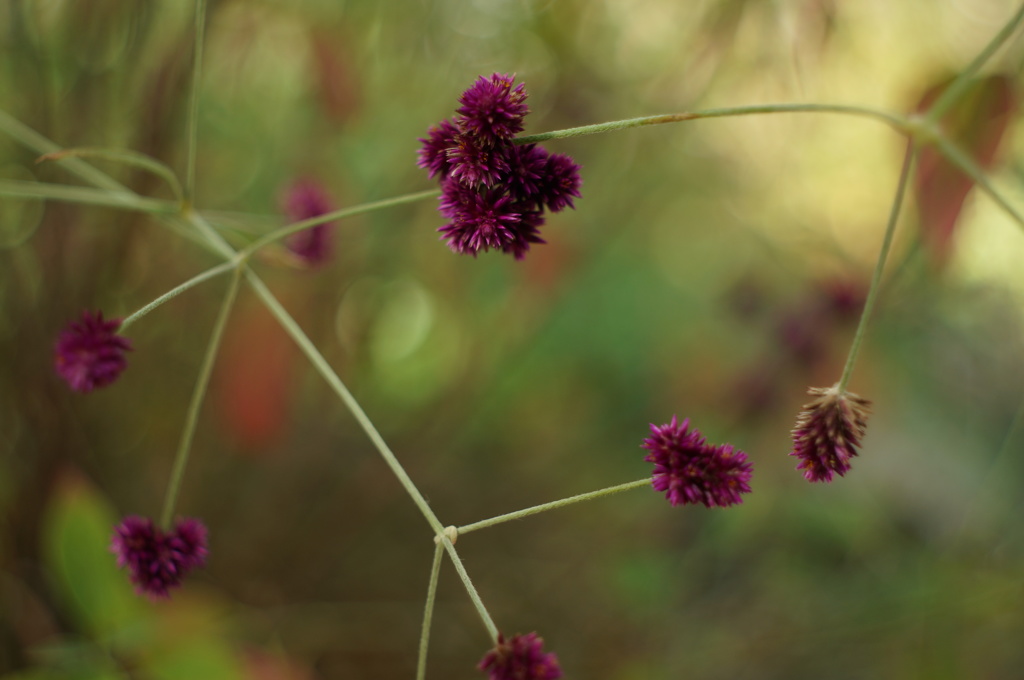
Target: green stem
(959,86)
(84,195)
(41,145)
(126,156)
(290,229)
(192,417)
(175,292)
(327,373)
(962,161)
(192,132)
(876,278)
(428,613)
(900,123)
(518,514)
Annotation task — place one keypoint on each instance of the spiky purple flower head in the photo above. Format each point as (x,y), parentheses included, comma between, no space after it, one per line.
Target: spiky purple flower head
(89,353)
(492,110)
(828,432)
(521,657)
(302,200)
(158,561)
(689,470)
(495,192)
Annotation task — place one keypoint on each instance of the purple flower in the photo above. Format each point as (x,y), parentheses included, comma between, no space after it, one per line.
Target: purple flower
(303,200)
(89,353)
(689,470)
(474,164)
(522,657)
(482,221)
(828,432)
(560,182)
(494,192)
(433,155)
(158,561)
(492,110)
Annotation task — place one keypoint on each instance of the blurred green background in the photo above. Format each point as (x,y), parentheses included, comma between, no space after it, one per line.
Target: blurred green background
(712,269)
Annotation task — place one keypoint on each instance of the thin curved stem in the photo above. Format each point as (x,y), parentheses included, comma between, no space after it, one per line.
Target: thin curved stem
(176,291)
(67,193)
(883,254)
(192,416)
(192,132)
(900,123)
(962,161)
(290,229)
(428,613)
(959,86)
(544,507)
(126,156)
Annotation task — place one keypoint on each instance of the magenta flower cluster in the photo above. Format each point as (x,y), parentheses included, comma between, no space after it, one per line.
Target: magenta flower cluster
(305,199)
(158,561)
(89,353)
(493,191)
(689,470)
(521,657)
(828,432)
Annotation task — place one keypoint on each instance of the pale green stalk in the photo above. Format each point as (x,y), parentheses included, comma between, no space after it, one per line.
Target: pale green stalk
(959,86)
(126,156)
(35,141)
(83,195)
(519,514)
(192,133)
(290,229)
(428,613)
(192,416)
(175,292)
(883,254)
(964,162)
(900,123)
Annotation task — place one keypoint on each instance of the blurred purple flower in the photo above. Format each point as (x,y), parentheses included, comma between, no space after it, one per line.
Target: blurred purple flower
(494,191)
(158,561)
(305,199)
(828,432)
(522,657)
(689,470)
(89,353)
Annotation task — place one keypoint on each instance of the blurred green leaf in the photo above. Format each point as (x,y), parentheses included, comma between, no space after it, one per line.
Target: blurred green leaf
(207,659)
(77,531)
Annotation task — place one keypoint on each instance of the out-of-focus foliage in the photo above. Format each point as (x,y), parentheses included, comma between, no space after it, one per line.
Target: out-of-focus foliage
(712,269)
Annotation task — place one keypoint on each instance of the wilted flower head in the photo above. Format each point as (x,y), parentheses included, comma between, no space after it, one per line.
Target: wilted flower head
(494,192)
(521,657)
(828,432)
(89,353)
(158,561)
(302,200)
(689,470)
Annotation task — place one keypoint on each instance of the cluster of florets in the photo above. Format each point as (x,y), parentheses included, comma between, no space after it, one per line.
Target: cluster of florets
(305,199)
(89,353)
(493,191)
(828,432)
(689,470)
(521,657)
(158,561)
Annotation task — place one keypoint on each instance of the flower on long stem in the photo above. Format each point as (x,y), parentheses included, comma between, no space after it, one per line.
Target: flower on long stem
(494,192)
(828,432)
(521,657)
(157,560)
(690,471)
(89,353)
